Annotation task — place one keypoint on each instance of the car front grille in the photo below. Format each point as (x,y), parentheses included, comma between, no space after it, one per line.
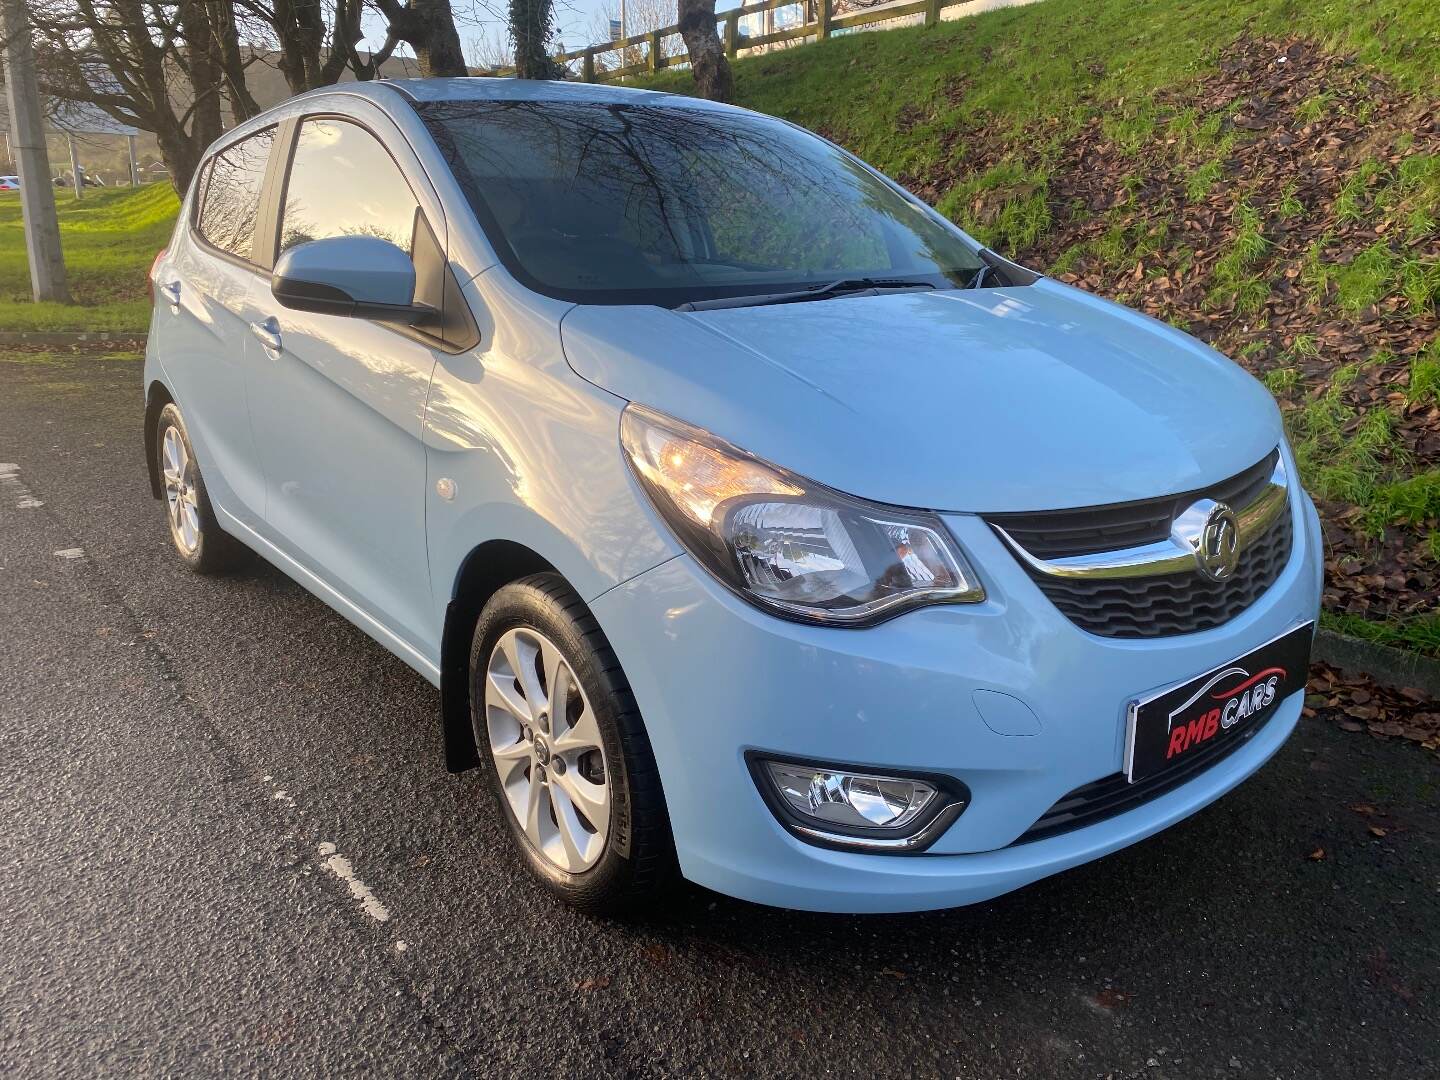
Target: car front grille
(1173,603)
(1101,799)
(1054,534)
(1161,605)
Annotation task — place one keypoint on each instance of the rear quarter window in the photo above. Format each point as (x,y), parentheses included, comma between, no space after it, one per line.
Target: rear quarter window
(230,199)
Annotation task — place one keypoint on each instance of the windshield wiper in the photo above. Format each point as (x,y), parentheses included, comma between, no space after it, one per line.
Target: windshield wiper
(841,287)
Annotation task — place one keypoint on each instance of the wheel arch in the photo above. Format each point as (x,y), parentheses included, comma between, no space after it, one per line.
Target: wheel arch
(484,571)
(157,396)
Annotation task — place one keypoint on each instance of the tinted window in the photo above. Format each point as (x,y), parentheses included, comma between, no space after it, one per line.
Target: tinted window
(343,183)
(608,203)
(232,194)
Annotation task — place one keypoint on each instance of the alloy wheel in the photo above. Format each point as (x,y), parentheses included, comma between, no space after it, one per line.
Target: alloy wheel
(546,745)
(181,498)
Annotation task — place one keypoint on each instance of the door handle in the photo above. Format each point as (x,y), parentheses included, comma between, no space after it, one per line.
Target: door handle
(170,290)
(268,334)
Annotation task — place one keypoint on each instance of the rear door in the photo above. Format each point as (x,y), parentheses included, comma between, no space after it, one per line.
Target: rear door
(208,291)
(338,406)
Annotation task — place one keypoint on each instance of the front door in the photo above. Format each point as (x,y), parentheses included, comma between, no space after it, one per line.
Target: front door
(338,403)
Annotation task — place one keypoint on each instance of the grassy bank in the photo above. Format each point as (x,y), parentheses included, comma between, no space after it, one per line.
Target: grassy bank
(1264,174)
(109,239)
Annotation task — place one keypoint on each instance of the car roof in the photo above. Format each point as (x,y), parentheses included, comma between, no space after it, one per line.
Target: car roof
(489,89)
(384,92)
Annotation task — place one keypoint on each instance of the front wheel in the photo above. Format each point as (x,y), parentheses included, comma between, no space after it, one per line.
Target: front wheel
(197,536)
(568,759)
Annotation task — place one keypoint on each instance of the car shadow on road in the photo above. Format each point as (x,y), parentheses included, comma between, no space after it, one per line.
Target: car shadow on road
(1232,902)
(1279,893)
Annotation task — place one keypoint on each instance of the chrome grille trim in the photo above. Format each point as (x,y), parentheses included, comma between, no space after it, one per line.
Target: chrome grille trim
(1132,570)
(1177,553)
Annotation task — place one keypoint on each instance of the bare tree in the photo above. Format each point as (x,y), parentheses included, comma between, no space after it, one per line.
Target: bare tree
(165,66)
(428,27)
(713,77)
(312,41)
(198,56)
(177,68)
(232,61)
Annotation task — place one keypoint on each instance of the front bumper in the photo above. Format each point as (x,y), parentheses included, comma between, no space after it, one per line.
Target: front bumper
(715,678)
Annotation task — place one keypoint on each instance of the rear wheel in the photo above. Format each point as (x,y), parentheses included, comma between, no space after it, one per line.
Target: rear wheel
(568,759)
(197,536)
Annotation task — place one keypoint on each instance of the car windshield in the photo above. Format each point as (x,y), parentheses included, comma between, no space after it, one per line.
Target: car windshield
(606,203)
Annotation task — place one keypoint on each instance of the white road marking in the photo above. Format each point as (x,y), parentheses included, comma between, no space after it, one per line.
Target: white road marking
(340,866)
(70,553)
(15,487)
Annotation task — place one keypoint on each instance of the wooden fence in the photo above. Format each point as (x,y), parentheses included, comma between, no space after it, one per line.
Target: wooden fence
(820,24)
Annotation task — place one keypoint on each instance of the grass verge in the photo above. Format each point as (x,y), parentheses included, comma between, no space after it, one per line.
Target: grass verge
(109,239)
(1420,634)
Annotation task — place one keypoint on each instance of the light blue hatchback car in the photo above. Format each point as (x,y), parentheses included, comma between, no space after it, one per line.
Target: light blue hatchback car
(755,523)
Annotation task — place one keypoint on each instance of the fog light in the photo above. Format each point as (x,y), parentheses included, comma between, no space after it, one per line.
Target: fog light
(839,808)
(838,798)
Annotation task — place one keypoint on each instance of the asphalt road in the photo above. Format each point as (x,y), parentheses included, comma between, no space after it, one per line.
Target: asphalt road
(185,764)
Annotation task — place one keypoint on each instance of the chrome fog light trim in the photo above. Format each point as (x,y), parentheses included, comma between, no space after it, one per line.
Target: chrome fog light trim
(855,807)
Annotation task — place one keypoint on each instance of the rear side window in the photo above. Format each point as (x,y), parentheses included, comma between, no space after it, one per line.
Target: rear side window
(231,199)
(344,183)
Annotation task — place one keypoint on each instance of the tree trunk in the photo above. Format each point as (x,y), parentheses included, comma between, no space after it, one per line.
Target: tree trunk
(180,154)
(300,29)
(428,27)
(345,34)
(230,61)
(438,50)
(205,120)
(530,29)
(711,69)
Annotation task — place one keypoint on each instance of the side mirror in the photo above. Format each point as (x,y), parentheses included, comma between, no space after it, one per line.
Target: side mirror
(360,276)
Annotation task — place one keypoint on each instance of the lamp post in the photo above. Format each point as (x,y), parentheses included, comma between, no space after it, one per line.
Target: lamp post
(32,163)
(77,174)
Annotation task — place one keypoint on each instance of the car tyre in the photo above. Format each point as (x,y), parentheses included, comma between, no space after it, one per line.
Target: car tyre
(537,648)
(200,542)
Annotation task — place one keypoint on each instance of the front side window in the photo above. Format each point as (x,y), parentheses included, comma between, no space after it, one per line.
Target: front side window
(231,197)
(344,183)
(609,203)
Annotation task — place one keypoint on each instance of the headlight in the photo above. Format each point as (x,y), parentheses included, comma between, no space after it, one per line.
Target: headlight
(786,543)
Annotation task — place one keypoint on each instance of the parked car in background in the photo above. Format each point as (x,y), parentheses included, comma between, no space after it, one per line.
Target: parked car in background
(753,520)
(9,183)
(66,180)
